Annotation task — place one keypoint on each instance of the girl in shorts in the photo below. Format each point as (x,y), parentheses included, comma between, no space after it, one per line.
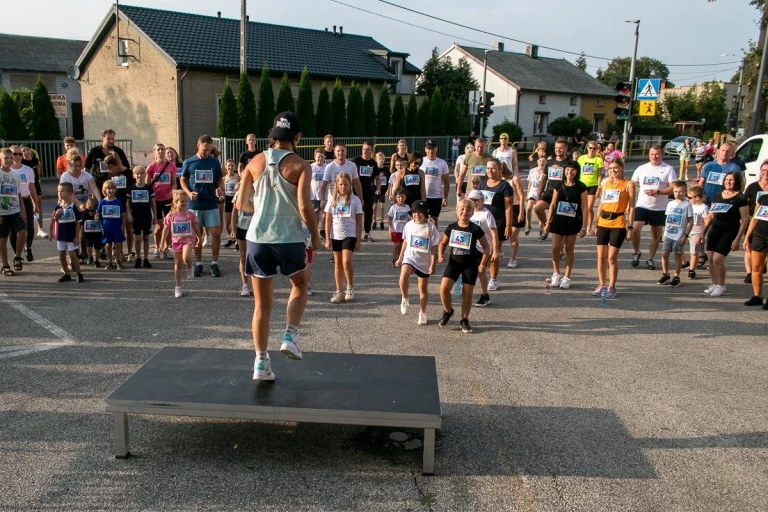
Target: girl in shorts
(230,183)
(238,228)
(181,232)
(518,213)
(700,212)
(344,228)
(418,256)
(397,217)
(318,169)
(534,180)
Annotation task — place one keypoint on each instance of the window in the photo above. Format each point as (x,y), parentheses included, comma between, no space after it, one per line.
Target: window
(573,101)
(600,102)
(540,122)
(751,151)
(542,99)
(598,123)
(122,52)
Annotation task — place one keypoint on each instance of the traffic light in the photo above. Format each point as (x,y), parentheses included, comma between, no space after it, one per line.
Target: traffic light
(623,101)
(481,109)
(488,103)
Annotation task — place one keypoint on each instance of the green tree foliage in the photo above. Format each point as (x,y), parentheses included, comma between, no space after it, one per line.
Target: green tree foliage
(566,126)
(646,67)
(384,114)
(581,63)
(43,124)
(339,111)
(246,108)
(412,117)
(355,112)
(455,123)
(398,117)
(11,126)
(708,102)
(454,80)
(369,112)
(305,107)
(285,96)
(680,107)
(23,99)
(266,103)
(515,132)
(323,116)
(425,118)
(438,113)
(228,126)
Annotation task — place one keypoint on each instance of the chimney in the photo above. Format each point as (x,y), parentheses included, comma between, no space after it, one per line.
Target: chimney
(341,30)
(499,46)
(218,13)
(532,51)
(326,29)
(247,19)
(334,29)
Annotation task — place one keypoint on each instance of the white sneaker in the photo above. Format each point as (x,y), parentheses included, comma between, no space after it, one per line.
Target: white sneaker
(350,294)
(422,318)
(309,291)
(718,291)
(404,306)
(493,285)
(190,273)
(565,283)
(555,280)
(709,288)
(177,292)
(167,254)
(262,369)
(157,254)
(205,241)
(512,263)
(41,234)
(337,297)
(290,346)
(245,291)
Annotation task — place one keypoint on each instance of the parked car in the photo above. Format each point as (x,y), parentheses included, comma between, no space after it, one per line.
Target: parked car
(753,152)
(670,148)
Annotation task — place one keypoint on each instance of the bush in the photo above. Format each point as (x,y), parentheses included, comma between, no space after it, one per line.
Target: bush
(384,115)
(515,132)
(398,117)
(266,103)
(305,107)
(323,120)
(566,126)
(339,126)
(11,125)
(412,117)
(369,112)
(43,122)
(227,126)
(246,108)
(285,96)
(355,122)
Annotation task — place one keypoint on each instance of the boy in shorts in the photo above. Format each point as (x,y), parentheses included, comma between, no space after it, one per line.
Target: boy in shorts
(12,216)
(678,229)
(140,205)
(92,233)
(66,216)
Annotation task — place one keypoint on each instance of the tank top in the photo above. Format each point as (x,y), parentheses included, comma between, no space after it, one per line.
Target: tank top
(614,199)
(505,156)
(412,186)
(276,219)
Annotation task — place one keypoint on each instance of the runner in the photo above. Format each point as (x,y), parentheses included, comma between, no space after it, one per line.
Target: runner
(755,191)
(437,181)
(713,173)
(474,164)
(332,169)
(591,166)
(506,153)
(411,179)
(28,197)
(483,218)
(366,167)
(161,175)
(498,198)
(247,155)
(535,176)
(97,154)
(12,214)
(549,182)
(461,186)
(756,245)
(344,226)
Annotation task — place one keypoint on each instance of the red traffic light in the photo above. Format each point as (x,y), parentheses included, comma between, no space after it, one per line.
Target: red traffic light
(624,88)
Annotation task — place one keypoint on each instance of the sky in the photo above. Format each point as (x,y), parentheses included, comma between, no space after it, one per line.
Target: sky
(698,40)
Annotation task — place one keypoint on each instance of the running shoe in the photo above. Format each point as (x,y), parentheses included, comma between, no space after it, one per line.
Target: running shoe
(167,254)
(527,230)
(381,226)
(90,260)
(205,240)
(555,280)
(290,346)
(177,292)
(215,272)
(664,279)
(229,243)
(146,263)
(649,264)
(512,263)
(190,272)
(754,301)
(337,297)
(157,254)
(422,318)
(483,300)
(611,293)
(675,282)
(65,278)
(198,270)
(41,234)
(747,278)
(636,259)
(367,238)
(404,306)
(709,288)
(691,274)
(137,264)
(565,283)
(446,318)
(29,254)
(718,291)
(465,327)
(119,265)
(309,291)
(262,370)
(543,236)
(493,285)
(598,290)
(97,264)
(245,290)
(80,278)
(350,293)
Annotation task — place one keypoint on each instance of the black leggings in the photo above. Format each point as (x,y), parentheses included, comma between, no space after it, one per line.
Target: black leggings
(29,221)
(368,202)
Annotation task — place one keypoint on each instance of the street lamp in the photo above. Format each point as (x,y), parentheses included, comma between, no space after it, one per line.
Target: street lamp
(628,122)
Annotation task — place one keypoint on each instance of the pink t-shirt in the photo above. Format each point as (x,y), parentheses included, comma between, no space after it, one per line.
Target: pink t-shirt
(182,225)
(163,187)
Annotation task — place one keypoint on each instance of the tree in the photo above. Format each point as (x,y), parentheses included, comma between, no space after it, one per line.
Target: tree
(369,112)
(454,121)
(707,101)
(412,117)
(305,108)
(398,117)
(645,67)
(285,96)
(246,108)
(438,113)
(515,132)
(566,126)
(338,111)
(384,114)
(425,118)
(680,106)
(43,122)
(11,126)
(355,122)
(581,62)
(228,126)
(454,80)
(266,103)
(23,99)
(323,117)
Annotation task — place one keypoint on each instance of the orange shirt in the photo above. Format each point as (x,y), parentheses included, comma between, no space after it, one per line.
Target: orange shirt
(61,163)
(615,199)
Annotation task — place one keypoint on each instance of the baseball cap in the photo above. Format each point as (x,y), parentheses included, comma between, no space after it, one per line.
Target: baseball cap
(285,126)
(419,206)
(475,194)
(431,143)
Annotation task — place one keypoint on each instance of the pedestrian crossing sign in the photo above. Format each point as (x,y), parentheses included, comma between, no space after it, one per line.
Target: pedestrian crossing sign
(648,88)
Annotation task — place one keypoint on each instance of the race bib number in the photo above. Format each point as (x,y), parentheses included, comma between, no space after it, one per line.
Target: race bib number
(555,173)
(343,210)
(179,171)
(203,176)
(673,232)
(715,178)
(183,228)
(229,188)
(565,209)
(419,243)
(488,196)
(651,182)
(318,176)
(412,179)
(67,216)
(139,196)
(23,177)
(478,170)
(401,216)
(9,190)
(674,220)
(244,220)
(588,169)
(366,171)
(431,171)
(110,211)
(460,239)
(103,167)
(163,179)
(92,226)
(536,183)
(720,208)
(383,179)
(762,213)
(759,195)
(610,196)
(119,181)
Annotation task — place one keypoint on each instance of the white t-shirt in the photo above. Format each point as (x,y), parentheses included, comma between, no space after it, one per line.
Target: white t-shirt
(455,143)
(484,219)
(332,169)
(230,182)
(460,163)
(344,217)
(434,170)
(419,240)
(9,192)
(400,216)
(534,180)
(80,184)
(700,212)
(650,177)
(26,178)
(678,215)
(318,171)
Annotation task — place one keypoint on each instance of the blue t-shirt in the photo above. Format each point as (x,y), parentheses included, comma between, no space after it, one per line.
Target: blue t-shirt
(713,174)
(203,177)
(67,229)
(111,215)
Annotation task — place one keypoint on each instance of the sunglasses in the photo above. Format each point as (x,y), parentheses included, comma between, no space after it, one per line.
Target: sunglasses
(592,147)
(18,154)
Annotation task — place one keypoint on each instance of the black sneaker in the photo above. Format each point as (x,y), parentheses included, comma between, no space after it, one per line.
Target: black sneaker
(137,264)
(198,270)
(765,305)
(465,327)
(691,274)
(483,300)
(446,317)
(29,255)
(97,264)
(754,301)
(215,272)
(649,264)
(90,260)
(527,230)
(663,279)
(748,278)
(230,243)
(543,236)
(675,282)
(636,259)
(381,226)
(80,278)
(146,263)
(65,278)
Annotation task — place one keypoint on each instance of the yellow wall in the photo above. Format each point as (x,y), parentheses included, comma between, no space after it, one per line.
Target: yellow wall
(589,107)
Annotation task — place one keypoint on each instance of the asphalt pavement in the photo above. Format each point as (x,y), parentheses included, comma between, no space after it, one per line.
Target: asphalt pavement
(657,401)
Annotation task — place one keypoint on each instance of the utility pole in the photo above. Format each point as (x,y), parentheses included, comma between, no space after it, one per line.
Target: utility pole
(482,98)
(756,105)
(628,122)
(243,30)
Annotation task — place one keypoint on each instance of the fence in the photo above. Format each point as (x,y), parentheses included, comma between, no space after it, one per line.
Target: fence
(49,150)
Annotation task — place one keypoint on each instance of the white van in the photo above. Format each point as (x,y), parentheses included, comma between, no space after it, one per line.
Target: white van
(753,151)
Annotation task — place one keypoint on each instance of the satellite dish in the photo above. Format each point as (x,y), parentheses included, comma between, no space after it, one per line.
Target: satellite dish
(73,72)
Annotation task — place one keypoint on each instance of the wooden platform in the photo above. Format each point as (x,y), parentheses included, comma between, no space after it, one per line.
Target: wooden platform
(347,389)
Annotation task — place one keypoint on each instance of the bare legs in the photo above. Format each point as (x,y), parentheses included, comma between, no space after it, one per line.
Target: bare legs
(263,302)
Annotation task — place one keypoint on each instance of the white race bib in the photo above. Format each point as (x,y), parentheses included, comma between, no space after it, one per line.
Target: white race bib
(720,207)
(588,169)
(119,181)
(478,170)
(412,179)
(762,213)
(431,171)
(460,239)
(110,211)
(342,210)
(183,228)
(715,178)
(651,182)
(67,216)
(203,176)
(488,196)
(92,226)
(9,190)
(163,179)
(365,171)
(610,196)
(419,243)
(555,173)
(565,209)
(139,196)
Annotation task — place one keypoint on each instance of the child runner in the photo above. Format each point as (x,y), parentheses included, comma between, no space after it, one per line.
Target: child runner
(518,214)
(700,212)
(140,206)
(397,217)
(161,175)
(534,180)
(418,256)
(382,189)
(464,260)
(344,226)
(230,182)
(92,233)
(66,216)
(678,230)
(181,232)
(122,179)
(12,216)
(111,212)
(318,170)
(238,228)
(483,218)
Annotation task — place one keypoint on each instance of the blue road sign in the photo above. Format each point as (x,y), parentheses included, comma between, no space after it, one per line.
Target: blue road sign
(648,88)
